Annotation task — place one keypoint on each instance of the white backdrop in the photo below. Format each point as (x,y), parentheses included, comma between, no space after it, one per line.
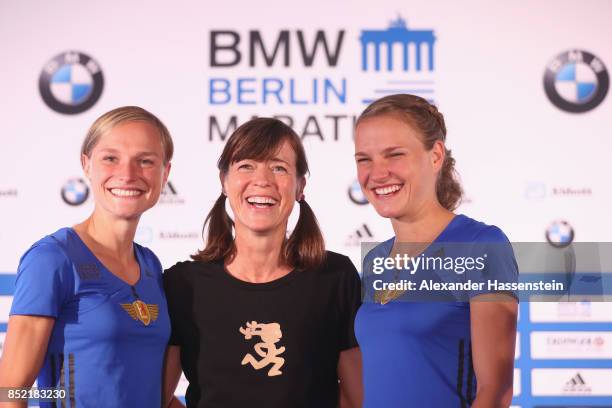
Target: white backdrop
(524,162)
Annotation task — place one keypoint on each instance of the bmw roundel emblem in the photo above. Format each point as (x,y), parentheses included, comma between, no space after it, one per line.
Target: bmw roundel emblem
(71,82)
(560,234)
(356,194)
(75,192)
(576,81)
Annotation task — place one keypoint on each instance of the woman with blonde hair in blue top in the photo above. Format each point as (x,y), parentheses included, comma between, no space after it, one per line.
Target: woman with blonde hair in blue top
(420,351)
(89,315)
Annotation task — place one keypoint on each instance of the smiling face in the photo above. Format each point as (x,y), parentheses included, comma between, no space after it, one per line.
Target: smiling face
(126,169)
(396,173)
(262,193)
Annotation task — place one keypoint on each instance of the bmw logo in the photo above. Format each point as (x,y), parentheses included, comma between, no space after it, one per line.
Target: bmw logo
(576,81)
(560,234)
(356,194)
(75,192)
(71,82)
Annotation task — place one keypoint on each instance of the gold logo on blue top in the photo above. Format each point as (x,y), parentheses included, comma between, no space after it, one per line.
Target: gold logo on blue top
(139,310)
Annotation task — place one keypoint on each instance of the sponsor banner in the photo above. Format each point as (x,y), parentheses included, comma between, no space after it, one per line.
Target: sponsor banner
(544,312)
(570,345)
(551,382)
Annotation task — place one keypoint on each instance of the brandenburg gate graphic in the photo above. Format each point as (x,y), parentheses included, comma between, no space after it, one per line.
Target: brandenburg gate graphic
(397,32)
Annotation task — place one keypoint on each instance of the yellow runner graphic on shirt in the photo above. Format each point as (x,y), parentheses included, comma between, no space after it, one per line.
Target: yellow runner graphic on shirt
(139,310)
(269,333)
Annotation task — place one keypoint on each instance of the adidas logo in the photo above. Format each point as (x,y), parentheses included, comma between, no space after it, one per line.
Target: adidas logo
(361,234)
(577,385)
(169,189)
(169,195)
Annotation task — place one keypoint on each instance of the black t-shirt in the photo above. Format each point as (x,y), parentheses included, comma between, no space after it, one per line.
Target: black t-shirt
(272,345)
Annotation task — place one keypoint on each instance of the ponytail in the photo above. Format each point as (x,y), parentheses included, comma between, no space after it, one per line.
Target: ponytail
(219,239)
(448,189)
(305,248)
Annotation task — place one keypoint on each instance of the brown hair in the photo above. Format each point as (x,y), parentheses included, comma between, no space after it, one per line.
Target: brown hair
(259,139)
(425,118)
(112,118)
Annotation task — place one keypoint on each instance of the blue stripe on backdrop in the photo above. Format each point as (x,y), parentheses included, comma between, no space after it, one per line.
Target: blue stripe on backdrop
(367,101)
(410,82)
(7,284)
(526,364)
(398,90)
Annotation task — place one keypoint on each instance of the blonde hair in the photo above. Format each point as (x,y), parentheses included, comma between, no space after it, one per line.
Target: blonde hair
(112,118)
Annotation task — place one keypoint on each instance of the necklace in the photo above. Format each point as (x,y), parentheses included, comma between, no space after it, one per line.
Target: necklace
(387,295)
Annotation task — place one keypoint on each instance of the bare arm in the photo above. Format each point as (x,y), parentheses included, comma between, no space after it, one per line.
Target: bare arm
(25,347)
(172,375)
(493,327)
(349,374)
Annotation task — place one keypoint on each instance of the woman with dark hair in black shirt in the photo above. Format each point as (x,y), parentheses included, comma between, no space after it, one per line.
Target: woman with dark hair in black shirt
(260,319)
